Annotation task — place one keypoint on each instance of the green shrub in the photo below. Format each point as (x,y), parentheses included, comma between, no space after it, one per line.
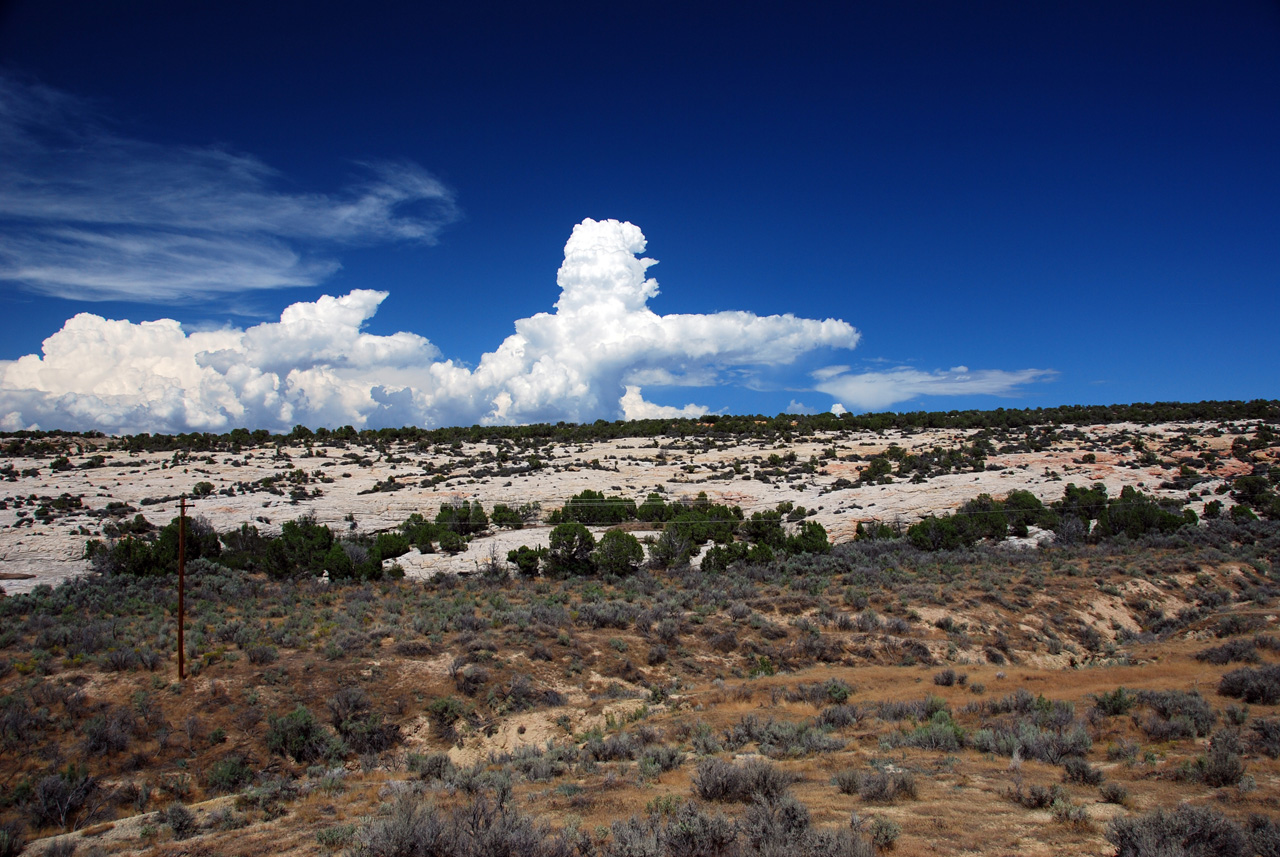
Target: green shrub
(434,766)
(338,836)
(1116,702)
(229,774)
(940,733)
(1242,650)
(300,736)
(527,559)
(570,549)
(593,507)
(444,714)
(1263,833)
(884,833)
(618,553)
(59,799)
(1038,797)
(262,655)
(1223,766)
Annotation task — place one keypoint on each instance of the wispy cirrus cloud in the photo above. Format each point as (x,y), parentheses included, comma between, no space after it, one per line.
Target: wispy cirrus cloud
(90,214)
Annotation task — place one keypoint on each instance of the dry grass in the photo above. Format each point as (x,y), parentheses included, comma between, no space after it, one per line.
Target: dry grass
(738,666)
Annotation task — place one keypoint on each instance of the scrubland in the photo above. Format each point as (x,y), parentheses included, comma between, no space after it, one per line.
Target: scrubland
(1069,692)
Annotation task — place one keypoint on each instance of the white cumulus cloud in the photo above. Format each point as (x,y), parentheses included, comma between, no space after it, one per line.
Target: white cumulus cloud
(92,215)
(634,407)
(316,366)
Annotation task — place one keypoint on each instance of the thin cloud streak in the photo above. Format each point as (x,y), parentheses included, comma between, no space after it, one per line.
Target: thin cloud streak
(875,391)
(92,215)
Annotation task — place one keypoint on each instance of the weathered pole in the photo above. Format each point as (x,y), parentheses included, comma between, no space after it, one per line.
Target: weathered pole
(182,575)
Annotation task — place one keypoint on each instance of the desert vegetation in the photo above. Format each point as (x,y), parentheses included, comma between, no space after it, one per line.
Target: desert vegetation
(653,672)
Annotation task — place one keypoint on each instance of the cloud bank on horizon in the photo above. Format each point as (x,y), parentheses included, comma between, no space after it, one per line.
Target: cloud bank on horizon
(317,367)
(590,358)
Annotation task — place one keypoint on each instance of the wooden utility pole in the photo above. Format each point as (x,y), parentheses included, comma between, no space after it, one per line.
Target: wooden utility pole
(182,575)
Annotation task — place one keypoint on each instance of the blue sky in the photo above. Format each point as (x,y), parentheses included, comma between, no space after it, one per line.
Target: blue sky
(1006,204)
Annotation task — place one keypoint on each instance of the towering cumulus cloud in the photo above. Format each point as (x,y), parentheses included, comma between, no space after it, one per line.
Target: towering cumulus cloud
(588,359)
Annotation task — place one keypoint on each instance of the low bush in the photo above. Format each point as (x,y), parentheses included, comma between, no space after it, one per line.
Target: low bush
(722,781)
(109,733)
(839,716)
(1263,834)
(1079,771)
(60,799)
(1068,812)
(262,655)
(661,758)
(434,766)
(1122,750)
(819,693)
(336,837)
(615,748)
(1188,831)
(444,714)
(878,786)
(1260,686)
(688,832)
(488,826)
(1186,710)
(1238,623)
(781,738)
(180,820)
(775,824)
(1266,737)
(361,729)
(1024,737)
(1223,765)
(1241,650)
(1113,792)
(1037,797)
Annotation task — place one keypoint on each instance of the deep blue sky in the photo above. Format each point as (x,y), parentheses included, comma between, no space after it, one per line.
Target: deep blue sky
(1091,188)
